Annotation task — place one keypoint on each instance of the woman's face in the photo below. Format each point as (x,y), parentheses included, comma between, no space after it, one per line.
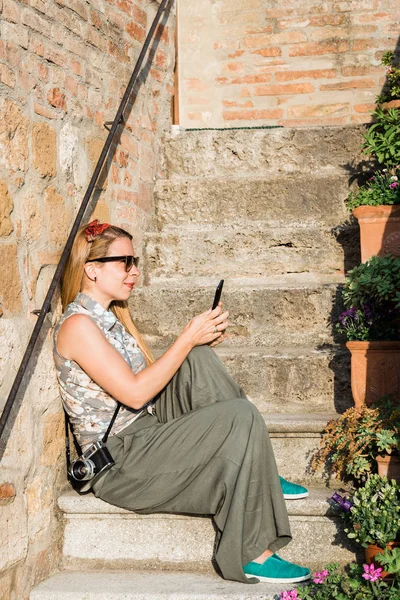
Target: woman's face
(112,281)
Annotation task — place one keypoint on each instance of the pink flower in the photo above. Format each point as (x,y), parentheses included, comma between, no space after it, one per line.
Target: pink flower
(394,184)
(372,574)
(321,577)
(292,595)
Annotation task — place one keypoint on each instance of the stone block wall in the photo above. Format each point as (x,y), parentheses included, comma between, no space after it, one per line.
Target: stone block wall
(297,63)
(64,66)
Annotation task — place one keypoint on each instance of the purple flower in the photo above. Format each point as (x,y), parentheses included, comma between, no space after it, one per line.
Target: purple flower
(292,595)
(321,577)
(351,313)
(394,185)
(372,574)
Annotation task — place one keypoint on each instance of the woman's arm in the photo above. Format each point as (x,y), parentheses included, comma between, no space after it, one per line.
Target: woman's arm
(81,340)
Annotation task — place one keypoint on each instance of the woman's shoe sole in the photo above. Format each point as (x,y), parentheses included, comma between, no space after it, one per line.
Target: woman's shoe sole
(280,580)
(295,496)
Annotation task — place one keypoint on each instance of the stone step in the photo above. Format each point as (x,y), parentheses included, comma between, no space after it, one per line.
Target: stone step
(139,585)
(249,252)
(99,535)
(292,380)
(251,201)
(266,311)
(251,152)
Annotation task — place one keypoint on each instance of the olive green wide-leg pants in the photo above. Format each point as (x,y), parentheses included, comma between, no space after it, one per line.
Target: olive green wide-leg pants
(206,451)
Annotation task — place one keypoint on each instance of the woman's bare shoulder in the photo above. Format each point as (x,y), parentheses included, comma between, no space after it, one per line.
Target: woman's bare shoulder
(73,330)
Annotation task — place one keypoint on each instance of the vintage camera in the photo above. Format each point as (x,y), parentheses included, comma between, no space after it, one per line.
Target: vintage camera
(89,467)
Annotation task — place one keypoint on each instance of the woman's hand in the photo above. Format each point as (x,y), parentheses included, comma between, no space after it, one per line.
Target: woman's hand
(207,328)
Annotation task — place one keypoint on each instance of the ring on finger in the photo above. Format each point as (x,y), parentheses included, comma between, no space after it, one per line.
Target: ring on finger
(215,330)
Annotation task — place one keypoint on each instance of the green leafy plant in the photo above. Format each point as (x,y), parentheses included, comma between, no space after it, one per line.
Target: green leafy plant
(352,583)
(382,189)
(375,515)
(390,560)
(382,139)
(391,89)
(371,296)
(350,444)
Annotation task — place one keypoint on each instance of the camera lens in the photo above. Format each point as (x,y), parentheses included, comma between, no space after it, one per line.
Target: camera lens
(83,469)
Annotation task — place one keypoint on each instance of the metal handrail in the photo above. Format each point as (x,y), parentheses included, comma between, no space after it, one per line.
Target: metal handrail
(57,275)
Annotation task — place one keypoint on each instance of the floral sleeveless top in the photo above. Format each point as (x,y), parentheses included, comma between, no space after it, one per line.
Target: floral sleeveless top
(89,406)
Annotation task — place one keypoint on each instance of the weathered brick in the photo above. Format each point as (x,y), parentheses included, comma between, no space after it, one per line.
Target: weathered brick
(57,217)
(7,76)
(359,45)
(267,52)
(276,90)
(56,98)
(320,110)
(76,66)
(10,280)
(45,111)
(139,16)
(360,70)
(14,136)
(10,11)
(293,23)
(353,84)
(7,493)
(44,149)
(35,21)
(6,208)
(71,85)
(313,121)
(315,48)
(287,37)
(327,19)
(232,104)
(328,33)
(251,115)
(314,74)
(364,108)
(263,78)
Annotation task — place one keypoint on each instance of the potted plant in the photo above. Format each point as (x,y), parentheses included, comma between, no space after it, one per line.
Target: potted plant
(352,583)
(374,517)
(376,205)
(390,95)
(371,324)
(352,445)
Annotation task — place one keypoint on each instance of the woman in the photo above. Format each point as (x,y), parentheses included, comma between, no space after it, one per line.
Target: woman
(198,446)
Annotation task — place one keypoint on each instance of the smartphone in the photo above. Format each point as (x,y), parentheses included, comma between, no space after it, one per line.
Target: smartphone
(218,293)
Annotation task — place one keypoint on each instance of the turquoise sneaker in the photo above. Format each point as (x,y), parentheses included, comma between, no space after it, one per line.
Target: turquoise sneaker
(292,491)
(276,570)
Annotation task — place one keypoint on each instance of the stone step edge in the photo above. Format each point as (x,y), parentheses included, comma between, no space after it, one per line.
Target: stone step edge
(75,506)
(288,281)
(325,172)
(139,585)
(249,227)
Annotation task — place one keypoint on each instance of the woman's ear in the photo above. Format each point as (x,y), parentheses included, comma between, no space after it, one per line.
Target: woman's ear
(90,271)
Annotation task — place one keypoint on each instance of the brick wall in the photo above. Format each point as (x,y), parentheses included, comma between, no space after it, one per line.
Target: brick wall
(64,66)
(296,63)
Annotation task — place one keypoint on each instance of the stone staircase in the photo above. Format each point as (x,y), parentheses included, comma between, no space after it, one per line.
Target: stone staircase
(264,210)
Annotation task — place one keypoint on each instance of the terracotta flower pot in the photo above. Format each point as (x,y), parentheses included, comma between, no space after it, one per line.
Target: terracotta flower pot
(389,465)
(379,230)
(372,551)
(375,371)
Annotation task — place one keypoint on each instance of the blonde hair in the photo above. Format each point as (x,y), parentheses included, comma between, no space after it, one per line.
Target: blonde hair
(72,277)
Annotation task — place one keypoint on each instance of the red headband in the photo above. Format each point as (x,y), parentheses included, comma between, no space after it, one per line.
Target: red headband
(94,229)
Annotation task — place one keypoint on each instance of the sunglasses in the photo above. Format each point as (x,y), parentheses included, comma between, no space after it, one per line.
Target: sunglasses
(128,260)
